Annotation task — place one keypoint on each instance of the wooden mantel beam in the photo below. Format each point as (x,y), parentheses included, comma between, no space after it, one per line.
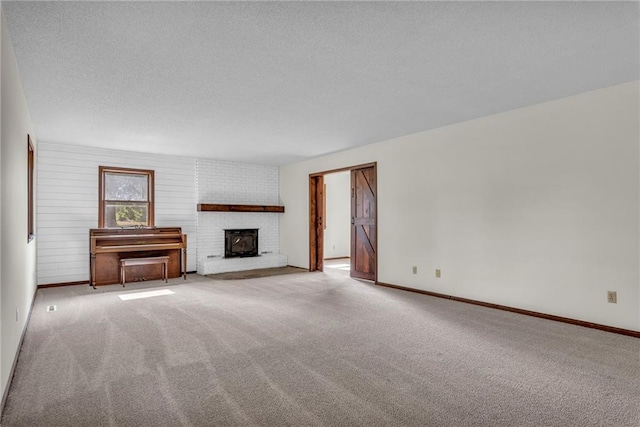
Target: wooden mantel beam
(208,207)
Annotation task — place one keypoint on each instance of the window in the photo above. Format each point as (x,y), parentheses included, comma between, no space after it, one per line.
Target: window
(30,209)
(126,197)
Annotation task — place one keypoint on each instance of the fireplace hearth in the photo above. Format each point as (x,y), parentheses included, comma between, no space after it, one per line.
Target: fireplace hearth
(241,243)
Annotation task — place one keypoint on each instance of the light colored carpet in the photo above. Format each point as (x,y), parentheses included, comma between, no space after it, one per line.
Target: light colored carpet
(310,349)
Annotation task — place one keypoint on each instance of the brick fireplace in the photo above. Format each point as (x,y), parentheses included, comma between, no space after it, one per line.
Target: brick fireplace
(225,182)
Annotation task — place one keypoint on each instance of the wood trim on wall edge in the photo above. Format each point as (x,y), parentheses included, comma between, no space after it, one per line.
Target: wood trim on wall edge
(612,329)
(56,285)
(344,169)
(80,282)
(217,207)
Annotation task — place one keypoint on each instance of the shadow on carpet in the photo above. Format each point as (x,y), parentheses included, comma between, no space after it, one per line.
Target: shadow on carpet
(254,274)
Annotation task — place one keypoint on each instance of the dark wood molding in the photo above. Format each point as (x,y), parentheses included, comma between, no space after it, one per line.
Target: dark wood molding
(80,282)
(31,231)
(316,231)
(345,169)
(57,285)
(613,329)
(210,207)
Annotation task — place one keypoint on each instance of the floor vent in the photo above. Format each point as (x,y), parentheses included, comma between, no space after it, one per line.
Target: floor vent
(51,308)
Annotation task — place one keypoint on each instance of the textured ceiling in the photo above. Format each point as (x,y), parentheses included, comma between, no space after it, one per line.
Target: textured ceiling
(273,83)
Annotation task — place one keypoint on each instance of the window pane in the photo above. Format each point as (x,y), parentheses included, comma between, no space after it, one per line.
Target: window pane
(126,214)
(122,186)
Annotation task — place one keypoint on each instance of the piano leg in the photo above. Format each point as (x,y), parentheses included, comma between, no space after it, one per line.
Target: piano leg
(184,262)
(122,276)
(92,269)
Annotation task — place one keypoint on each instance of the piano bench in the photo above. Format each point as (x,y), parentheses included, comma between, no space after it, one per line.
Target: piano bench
(128,262)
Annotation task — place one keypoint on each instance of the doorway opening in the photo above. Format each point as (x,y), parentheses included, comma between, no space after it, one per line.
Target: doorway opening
(360,212)
(337,267)
(336,223)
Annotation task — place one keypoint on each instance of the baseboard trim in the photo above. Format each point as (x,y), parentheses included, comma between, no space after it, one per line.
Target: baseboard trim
(337,257)
(80,282)
(612,329)
(17,355)
(56,285)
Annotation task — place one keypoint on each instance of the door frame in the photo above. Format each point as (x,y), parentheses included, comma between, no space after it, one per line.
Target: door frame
(316,221)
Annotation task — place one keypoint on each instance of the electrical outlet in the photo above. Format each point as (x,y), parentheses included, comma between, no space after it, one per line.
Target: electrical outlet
(612,297)
(438,275)
(415,269)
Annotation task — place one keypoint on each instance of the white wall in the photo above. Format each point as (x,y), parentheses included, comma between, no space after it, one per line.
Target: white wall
(67,203)
(337,232)
(535,208)
(3,386)
(17,256)
(224,182)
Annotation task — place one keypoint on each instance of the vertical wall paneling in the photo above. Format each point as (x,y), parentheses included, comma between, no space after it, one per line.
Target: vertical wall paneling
(67,204)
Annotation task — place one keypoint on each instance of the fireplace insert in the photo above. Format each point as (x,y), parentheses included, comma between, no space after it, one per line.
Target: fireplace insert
(241,243)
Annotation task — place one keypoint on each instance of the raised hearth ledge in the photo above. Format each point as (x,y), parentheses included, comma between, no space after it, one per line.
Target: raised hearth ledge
(208,207)
(225,265)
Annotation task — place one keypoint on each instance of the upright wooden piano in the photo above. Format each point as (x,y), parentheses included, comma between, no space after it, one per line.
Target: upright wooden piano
(109,245)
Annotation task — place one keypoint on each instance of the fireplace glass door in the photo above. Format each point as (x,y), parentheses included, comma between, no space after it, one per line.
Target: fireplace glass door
(241,243)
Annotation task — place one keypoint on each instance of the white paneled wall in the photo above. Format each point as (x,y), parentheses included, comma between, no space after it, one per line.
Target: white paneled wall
(67,205)
(236,183)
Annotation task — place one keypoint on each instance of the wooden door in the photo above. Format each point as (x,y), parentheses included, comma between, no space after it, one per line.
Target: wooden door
(363,223)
